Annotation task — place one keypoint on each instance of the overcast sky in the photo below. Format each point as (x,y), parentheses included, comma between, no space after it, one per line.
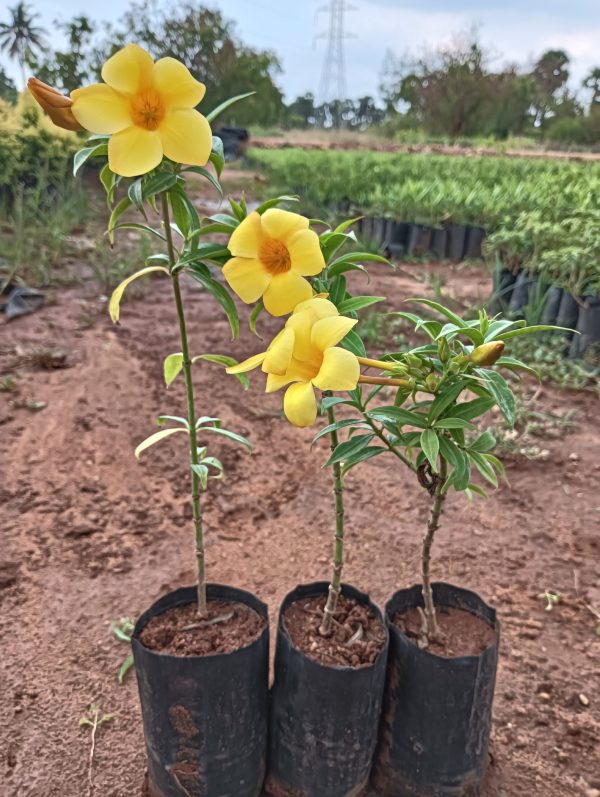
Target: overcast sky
(517,30)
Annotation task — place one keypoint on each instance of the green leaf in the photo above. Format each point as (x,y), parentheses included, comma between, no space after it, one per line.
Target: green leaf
(116,213)
(133,225)
(201,472)
(343,226)
(485,442)
(515,333)
(331,401)
(513,364)
(231,435)
(453,423)
(484,467)
(155,438)
(353,343)
(357,303)
(349,448)
(362,456)
(253,318)
(222,296)
(493,460)
(117,295)
(500,390)
(85,154)
(398,415)
(473,409)
(222,359)
(217,155)
(158,183)
(335,427)
(431,447)
(227,104)
(134,192)
(172,367)
(125,667)
(207,176)
(442,310)
(444,399)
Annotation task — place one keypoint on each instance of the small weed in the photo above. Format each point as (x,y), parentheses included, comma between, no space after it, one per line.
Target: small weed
(378,329)
(551,597)
(8,384)
(93,719)
(123,629)
(46,358)
(548,358)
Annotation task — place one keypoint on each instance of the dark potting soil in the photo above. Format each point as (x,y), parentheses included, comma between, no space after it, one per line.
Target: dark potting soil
(180,632)
(357,636)
(464,633)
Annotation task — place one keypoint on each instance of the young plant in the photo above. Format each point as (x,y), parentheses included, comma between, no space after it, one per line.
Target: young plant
(431,427)
(93,719)
(305,355)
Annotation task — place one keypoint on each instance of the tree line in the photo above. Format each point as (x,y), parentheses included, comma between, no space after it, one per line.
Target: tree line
(452,91)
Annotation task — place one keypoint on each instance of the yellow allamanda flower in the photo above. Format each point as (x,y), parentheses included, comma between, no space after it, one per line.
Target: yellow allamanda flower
(148,109)
(305,354)
(272,254)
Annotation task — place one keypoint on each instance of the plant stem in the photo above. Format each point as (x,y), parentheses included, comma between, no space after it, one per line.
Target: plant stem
(384,380)
(338,546)
(191,415)
(391,448)
(433,630)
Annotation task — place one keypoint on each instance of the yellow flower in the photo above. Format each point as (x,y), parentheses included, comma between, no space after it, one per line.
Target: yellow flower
(304,353)
(272,254)
(147,109)
(57,106)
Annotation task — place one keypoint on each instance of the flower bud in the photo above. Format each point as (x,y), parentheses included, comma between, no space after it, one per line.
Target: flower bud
(487,354)
(444,352)
(56,105)
(432,382)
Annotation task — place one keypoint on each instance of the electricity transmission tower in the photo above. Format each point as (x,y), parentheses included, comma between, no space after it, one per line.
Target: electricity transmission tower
(333,77)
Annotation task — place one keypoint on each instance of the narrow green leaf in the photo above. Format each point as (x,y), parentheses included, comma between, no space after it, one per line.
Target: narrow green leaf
(453,423)
(172,367)
(473,409)
(155,438)
(117,295)
(125,667)
(484,467)
(335,427)
(485,442)
(357,303)
(207,176)
(515,333)
(227,104)
(217,155)
(431,447)
(362,456)
(222,359)
(443,400)
(353,343)
(398,415)
(134,192)
(231,435)
(201,472)
(349,448)
(456,319)
(222,296)
(132,225)
(500,390)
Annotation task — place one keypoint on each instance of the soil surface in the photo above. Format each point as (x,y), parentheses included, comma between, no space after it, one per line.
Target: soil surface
(356,639)
(90,535)
(463,634)
(180,632)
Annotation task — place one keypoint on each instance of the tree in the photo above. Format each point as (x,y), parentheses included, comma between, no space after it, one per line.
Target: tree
(592,82)
(20,37)
(77,64)
(205,42)
(550,74)
(302,112)
(8,90)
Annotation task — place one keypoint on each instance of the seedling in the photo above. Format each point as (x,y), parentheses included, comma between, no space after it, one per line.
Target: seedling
(552,599)
(123,630)
(93,719)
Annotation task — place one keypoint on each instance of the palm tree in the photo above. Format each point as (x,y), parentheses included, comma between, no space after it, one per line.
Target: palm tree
(20,36)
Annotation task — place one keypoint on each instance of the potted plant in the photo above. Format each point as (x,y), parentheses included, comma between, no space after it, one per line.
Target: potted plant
(201,652)
(443,639)
(331,639)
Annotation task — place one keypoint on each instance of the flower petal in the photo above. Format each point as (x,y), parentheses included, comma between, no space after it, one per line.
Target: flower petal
(302,323)
(134,151)
(100,109)
(246,277)
(296,372)
(279,353)
(305,253)
(175,84)
(247,237)
(328,331)
(129,69)
(284,293)
(300,404)
(186,136)
(340,370)
(247,365)
(280,224)
(276,382)
(320,307)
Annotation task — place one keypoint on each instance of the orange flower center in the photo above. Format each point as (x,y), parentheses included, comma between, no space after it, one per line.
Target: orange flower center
(147,109)
(275,257)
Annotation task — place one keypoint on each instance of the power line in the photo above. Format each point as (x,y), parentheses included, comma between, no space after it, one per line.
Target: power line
(333,76)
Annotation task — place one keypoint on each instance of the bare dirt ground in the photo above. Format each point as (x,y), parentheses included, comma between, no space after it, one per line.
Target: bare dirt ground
(346,140)
(89,534)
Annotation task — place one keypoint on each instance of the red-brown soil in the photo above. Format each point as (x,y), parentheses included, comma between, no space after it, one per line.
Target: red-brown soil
(357,636)
(89,535)
(462,633)
(180,632)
